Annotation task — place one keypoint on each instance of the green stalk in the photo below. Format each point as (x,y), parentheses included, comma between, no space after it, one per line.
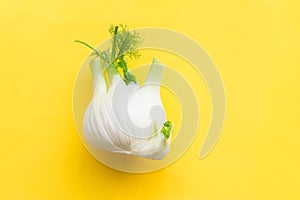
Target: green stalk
(91,47)
(113,50)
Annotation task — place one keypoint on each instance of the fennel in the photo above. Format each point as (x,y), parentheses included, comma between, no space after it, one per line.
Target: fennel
(123,116)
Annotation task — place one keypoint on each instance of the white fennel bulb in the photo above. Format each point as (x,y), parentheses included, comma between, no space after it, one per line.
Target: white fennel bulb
(124,116)
(127,118)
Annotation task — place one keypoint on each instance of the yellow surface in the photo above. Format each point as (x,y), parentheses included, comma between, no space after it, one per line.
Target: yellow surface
(255,45)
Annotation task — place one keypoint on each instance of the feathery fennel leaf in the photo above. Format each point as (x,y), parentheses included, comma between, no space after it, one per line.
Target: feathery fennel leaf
(124,45)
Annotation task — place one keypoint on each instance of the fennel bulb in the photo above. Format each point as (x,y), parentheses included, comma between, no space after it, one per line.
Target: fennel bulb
(124,116)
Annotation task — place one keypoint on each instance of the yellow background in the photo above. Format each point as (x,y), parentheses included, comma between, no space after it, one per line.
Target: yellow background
(255,45)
